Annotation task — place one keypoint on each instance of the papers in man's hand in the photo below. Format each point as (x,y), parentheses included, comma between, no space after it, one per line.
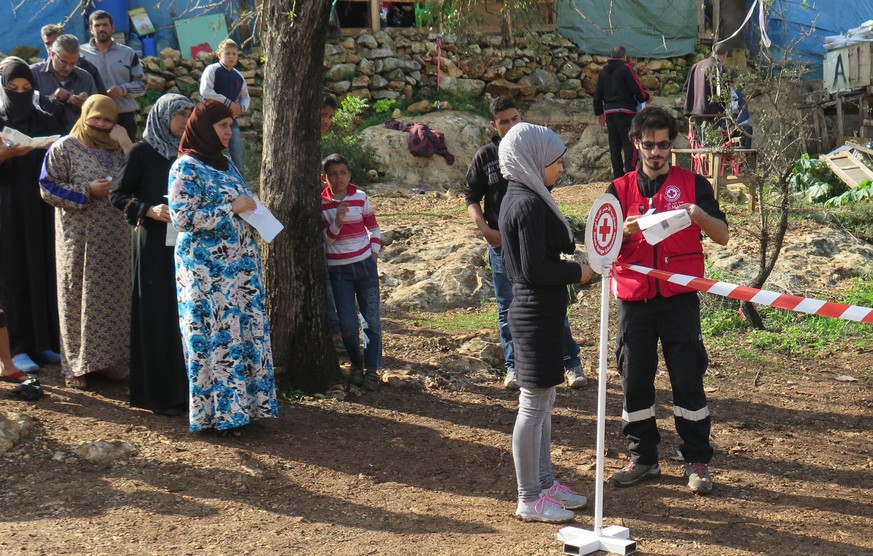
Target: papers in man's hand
(659,226)
(13,138)
(263,221)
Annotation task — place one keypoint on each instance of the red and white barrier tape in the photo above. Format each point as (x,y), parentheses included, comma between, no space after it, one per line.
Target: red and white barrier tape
(761,297)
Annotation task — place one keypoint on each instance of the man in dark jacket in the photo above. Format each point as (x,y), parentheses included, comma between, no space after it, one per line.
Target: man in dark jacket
(704,104)
(618,94)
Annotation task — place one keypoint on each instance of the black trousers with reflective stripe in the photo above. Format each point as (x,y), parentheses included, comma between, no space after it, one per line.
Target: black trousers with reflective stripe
(675,321)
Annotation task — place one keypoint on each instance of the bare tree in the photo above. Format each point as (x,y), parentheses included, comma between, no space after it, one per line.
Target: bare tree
(778,88)
(294,34)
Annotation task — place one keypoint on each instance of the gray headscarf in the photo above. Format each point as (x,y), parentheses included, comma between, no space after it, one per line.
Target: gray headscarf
(157,129)
(524,153)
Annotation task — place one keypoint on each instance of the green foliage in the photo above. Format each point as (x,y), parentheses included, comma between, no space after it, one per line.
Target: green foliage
(863,191)
(344,138)
(148,98)
(385,106)
(814,181)
(857,218)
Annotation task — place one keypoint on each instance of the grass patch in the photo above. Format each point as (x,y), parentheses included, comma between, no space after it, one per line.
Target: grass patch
(787,332)
(458,321)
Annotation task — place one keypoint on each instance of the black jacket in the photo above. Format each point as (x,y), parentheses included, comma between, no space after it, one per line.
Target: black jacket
(618,89)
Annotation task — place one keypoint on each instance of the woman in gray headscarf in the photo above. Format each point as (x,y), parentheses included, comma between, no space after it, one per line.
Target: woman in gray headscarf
(534,234)
(158,380)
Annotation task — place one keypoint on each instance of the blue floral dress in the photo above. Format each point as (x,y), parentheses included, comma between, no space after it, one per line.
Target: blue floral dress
(220,290)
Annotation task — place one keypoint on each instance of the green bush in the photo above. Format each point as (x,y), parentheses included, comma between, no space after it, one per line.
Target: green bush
(857,218)
(344,138)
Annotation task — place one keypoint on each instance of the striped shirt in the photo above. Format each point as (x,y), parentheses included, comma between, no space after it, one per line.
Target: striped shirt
(359,235)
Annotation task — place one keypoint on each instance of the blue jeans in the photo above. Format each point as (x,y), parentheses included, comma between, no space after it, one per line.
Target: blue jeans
(532,442)
(358,282)
(236,148)
(503,296)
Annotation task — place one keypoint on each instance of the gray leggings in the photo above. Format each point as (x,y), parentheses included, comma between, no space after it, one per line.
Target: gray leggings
(532,442)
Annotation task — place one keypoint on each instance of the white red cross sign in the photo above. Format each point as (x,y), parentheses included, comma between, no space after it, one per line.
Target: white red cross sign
(603,232)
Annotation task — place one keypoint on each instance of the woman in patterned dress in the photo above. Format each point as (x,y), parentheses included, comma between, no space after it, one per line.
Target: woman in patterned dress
(219,284)
(92,243)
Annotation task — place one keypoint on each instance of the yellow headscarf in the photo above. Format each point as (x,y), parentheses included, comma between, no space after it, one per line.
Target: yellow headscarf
(99,106)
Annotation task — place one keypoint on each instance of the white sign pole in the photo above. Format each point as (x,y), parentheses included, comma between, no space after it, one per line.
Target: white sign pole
(602,241)
(601,396)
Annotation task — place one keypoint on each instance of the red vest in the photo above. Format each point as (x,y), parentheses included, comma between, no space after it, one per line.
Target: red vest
(682,252)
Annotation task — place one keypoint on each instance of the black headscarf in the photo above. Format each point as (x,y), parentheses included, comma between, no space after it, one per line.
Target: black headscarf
(200,139)
(16,108)
(14,112)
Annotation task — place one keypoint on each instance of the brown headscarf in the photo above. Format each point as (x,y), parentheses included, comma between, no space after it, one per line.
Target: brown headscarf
(200,139)
(96,106)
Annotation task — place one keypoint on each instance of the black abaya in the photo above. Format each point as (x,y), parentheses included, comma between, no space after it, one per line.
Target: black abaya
(27,246)
(158,379)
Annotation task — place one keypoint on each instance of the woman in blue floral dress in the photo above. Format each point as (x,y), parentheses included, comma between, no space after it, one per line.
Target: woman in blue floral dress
(220,287)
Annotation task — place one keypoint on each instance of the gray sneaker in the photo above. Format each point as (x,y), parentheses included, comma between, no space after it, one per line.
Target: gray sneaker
(575,378)
(635,472)
(699,480)
(510,381)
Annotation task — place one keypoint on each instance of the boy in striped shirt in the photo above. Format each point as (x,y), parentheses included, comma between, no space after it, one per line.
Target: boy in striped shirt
(353,242)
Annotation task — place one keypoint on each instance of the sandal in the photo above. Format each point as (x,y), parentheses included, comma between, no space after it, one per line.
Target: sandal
(372,381)
(17,377)
(76,382)
(230,433)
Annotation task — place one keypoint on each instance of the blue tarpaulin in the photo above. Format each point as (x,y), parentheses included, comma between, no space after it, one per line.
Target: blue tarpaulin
(21,24)
(791,20)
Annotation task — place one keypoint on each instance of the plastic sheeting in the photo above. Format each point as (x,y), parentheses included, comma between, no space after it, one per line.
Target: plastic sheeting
(21,26)
(653,29)
(789,20)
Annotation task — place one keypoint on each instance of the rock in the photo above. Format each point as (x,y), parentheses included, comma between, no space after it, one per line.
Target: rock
(380,94)
(366,67)
(103,451)
(587,160)
(504,87)
(339,86)
(489,352)
(155,82)
(461,87)
(464,132)
(340,72)
(541,81)
(349,43)
(549,112)
(12,427)
(367,41)
(419,107)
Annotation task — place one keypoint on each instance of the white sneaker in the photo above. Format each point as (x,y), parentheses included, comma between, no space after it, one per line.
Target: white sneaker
(565,497)
(510,381)
(576,378)
(545,509)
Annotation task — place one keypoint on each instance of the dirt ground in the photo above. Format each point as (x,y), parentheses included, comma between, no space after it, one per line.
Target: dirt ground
(424,466)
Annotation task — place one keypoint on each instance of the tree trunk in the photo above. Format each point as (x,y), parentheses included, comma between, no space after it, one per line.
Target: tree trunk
(294,264)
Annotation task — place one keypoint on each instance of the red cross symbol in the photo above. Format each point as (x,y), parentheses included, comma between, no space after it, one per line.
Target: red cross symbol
(604,230)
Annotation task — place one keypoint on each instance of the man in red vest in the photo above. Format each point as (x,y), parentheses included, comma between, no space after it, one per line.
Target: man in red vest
(650,310)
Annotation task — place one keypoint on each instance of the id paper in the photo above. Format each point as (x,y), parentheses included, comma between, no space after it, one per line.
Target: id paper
(659,226)
(263,221)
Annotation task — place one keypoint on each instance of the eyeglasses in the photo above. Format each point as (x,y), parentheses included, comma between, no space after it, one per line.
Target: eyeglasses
(650,145)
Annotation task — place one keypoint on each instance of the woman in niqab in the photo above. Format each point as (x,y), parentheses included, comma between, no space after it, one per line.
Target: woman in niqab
(27,250)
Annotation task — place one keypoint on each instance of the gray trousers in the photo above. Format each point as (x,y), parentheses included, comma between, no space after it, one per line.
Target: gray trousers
(532,442)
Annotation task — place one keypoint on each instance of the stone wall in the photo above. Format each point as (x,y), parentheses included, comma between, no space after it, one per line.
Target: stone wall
(394,63)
